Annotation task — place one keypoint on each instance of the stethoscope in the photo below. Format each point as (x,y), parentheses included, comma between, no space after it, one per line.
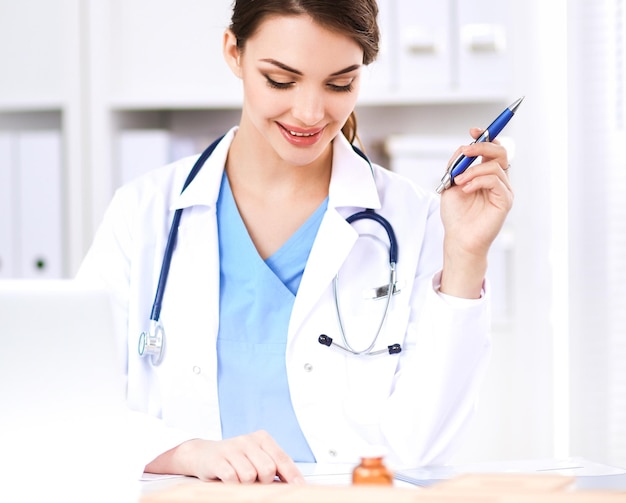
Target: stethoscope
(152,343)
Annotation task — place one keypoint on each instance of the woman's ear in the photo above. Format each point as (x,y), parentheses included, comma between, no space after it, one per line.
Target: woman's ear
(232,55)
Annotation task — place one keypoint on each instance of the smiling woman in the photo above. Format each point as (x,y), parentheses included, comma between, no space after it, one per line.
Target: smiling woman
(264,223)
(295,98)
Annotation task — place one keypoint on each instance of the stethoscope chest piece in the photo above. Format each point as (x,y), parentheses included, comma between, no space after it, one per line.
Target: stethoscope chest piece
(152,342)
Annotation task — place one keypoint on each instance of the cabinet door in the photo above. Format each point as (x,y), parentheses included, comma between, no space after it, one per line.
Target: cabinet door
(169,52)
(483,33)
(35,38)
(423,47)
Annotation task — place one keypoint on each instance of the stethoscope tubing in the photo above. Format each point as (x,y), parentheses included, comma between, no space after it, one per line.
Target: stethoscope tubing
(372,215)
(152,343)
(155,314)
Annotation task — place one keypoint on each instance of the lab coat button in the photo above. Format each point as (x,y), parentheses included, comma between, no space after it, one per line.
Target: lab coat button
(197,370)
(332,453)
(308,367)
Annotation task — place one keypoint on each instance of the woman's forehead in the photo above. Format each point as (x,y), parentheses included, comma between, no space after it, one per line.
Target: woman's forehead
(300,41)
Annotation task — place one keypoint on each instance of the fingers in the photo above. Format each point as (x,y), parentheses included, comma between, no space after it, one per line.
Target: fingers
(247,459)
(475,132)
(477,149)
(483,176)
(284,467)
(492,160)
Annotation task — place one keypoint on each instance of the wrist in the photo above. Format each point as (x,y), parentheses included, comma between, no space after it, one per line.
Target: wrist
(176,461)
(463,275)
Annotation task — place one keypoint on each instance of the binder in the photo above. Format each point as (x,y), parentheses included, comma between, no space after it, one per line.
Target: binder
(141,150)
(40,204)
(7,205)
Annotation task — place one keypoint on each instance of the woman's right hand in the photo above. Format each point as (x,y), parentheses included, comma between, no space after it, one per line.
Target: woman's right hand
(255,457)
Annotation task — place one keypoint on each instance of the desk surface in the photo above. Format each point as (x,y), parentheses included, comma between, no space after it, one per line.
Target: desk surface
(563,480)
(330,484)
(579,468)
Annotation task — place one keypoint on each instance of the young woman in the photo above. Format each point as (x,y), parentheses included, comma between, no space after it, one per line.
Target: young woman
(266,270)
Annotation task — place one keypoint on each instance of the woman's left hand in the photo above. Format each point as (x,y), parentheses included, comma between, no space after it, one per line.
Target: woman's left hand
(473,211)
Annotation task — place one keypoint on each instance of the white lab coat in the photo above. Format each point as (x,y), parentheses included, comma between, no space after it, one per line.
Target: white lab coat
(415,404)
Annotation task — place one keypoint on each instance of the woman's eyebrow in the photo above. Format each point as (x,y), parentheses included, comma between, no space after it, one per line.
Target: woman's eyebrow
(289,69)
(282,66)
(346,70)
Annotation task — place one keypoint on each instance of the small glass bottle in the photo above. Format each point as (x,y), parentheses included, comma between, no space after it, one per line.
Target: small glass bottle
(372,470)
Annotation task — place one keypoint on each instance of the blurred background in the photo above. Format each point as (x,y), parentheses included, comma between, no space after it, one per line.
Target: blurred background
(94,93)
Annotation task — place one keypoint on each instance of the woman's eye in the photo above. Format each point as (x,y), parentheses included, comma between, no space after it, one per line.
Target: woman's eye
(341,88)
(277,85)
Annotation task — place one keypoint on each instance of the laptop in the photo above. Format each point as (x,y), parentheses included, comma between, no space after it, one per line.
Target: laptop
(62,397)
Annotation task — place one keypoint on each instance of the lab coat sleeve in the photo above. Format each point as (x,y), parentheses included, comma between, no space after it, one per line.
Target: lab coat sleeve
(108,264)
(444,359)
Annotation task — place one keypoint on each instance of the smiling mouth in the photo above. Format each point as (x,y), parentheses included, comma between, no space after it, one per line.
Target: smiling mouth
(294,133)
(300,134)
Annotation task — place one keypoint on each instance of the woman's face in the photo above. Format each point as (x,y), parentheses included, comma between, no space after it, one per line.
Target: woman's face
(300,83)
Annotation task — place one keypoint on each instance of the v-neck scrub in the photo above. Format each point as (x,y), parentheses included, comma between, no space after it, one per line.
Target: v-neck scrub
(256,300)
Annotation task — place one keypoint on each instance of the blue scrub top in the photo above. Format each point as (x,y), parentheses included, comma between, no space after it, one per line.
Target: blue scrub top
(256,299)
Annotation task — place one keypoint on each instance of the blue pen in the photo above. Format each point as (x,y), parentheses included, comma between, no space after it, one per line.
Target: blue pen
(461,163)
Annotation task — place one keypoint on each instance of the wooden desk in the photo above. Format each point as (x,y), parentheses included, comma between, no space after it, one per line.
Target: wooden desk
(331,484)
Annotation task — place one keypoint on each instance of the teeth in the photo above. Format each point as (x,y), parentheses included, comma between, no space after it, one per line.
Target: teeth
(293,133)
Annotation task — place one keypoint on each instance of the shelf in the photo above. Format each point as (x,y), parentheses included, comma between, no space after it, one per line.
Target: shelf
(431,98)
(129,105)
(29,106)
(382,100)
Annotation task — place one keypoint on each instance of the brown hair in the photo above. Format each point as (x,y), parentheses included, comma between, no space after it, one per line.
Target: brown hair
(354,18)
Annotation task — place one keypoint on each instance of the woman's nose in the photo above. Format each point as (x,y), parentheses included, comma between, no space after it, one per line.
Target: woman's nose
(308,106)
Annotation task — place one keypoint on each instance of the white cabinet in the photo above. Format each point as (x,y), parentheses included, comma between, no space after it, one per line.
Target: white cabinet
(41,97)
(451,50)
(424,47)
(165,53)
(31,205)
(35,61)
(483,32)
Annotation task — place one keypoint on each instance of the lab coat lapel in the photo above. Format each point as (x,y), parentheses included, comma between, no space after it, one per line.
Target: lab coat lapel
(334,241)
(198,257)
(352,188)
(193,282)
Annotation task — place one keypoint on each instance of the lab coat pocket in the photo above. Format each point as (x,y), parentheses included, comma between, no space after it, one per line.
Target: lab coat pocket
(371,378)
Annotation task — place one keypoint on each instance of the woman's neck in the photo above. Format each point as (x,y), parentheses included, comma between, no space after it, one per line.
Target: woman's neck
(253,162)
(274,198)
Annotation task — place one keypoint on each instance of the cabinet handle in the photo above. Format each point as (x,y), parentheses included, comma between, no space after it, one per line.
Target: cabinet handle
(481,38)
(418,40)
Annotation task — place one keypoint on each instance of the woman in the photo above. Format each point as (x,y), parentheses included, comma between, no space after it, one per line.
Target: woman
(245,389)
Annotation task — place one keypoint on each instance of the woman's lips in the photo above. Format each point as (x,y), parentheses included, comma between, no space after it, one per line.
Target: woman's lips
(300,137)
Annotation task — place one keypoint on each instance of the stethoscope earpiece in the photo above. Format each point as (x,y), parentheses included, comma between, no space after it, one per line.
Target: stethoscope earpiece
(325,340)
